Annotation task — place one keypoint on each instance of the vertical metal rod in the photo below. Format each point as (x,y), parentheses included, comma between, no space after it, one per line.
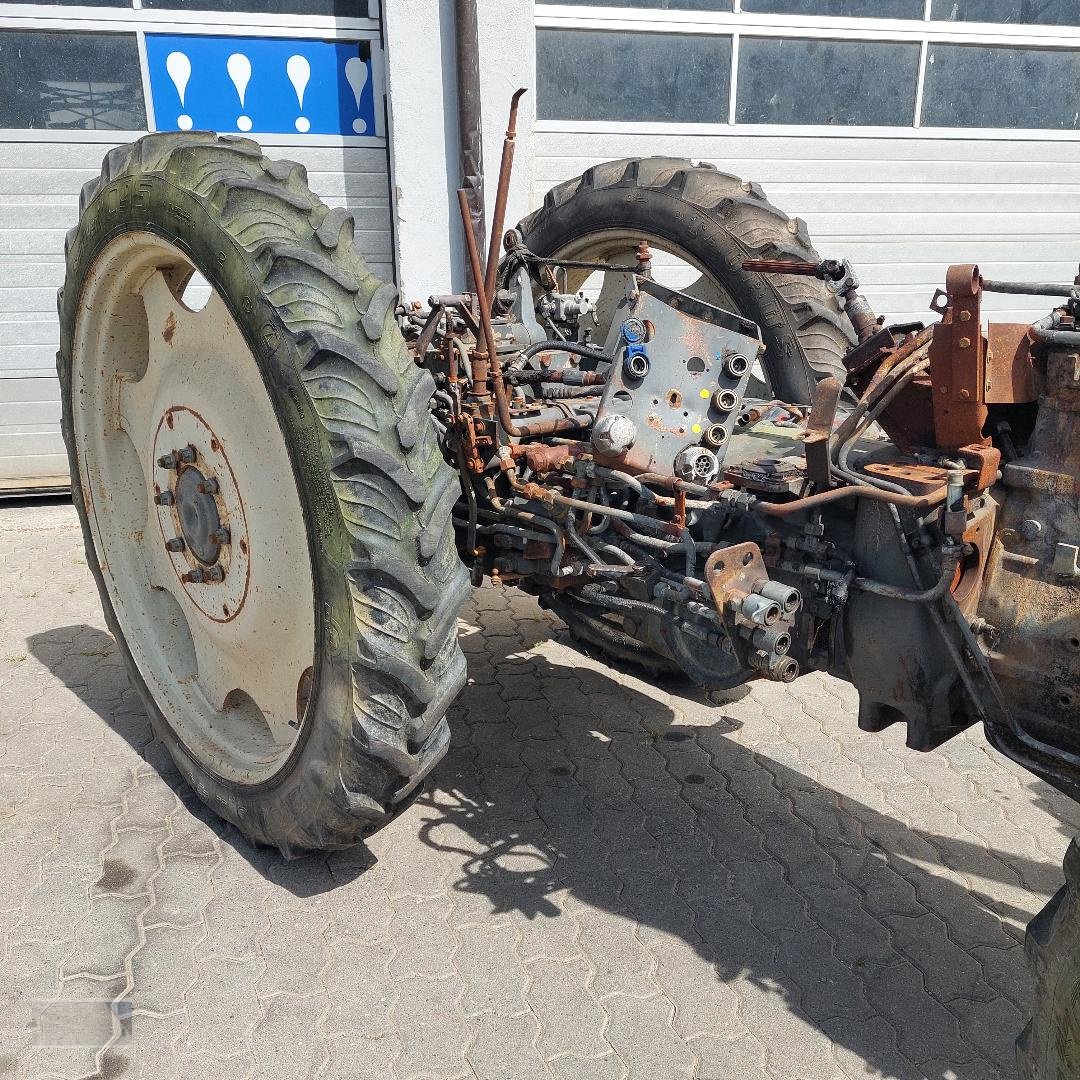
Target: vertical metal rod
(470,130)
(501,195)
(502,405)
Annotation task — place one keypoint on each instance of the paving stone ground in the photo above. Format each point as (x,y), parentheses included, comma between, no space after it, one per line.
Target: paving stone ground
(605,879)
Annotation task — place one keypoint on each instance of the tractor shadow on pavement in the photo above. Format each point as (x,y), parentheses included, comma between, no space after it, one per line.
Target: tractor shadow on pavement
(568,788)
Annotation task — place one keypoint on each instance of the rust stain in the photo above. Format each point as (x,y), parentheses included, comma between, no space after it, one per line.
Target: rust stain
(170,328)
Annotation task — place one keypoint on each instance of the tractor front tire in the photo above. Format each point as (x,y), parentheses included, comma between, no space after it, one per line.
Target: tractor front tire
(311,343)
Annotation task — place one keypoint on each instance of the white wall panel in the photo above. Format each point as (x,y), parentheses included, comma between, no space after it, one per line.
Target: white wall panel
(39,194)
(902,209)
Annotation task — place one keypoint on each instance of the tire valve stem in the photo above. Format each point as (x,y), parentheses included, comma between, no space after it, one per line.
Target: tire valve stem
(175,544)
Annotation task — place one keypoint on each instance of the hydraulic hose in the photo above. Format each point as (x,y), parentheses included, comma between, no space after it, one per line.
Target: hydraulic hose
(949,562)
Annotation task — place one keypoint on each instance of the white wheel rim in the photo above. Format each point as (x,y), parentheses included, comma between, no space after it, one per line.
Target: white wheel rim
(229,662)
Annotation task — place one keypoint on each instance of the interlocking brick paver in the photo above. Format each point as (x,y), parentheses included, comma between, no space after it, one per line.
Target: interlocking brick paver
(608,877)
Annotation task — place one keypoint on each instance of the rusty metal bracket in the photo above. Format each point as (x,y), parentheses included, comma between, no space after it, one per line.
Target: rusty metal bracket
(1010,372)
(817,442)
(958,361)
(733,572)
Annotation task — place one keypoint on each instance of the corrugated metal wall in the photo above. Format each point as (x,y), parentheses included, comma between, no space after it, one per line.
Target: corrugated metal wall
(39,194)
(901,209)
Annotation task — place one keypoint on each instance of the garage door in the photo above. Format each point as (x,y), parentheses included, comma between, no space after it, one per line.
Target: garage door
(908,134)
(304,77)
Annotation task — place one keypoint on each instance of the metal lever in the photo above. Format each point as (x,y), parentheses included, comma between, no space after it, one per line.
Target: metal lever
(826,270)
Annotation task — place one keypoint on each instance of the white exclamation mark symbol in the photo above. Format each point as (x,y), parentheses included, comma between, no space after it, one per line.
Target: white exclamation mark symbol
(356,74)
(299,72)
(179,68)
(239,69)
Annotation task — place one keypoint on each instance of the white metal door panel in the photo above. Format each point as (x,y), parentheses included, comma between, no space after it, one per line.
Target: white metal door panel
(902,209)
(39,195)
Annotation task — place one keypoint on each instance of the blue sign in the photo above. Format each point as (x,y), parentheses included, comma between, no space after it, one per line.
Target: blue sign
(273,85)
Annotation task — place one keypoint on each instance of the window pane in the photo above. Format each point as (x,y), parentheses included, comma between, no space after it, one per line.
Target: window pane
(669,5)
(799,81)
(596,75)
(56,79)
(344,9)
(972,86)
(870,9)
(1048,12)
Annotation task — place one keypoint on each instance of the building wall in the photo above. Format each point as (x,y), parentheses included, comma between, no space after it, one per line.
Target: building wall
(901,210)
(957,143)
(42,170)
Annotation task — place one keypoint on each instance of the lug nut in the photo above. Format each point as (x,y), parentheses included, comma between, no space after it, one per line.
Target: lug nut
(214,573)
(194,576)
(219,536)
(167,461)
(209,486)
(175,544)
(187,455)
(164,498)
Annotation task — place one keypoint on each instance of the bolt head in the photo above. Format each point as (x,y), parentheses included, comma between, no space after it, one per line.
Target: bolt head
(209,486)
(965,343)
(167,461)
(1031,529)
(194,576)
(187,455)
(176,543)
(214,573)
(220,536)
(164,498)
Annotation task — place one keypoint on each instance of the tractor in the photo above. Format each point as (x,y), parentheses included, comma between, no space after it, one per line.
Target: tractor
(287,490)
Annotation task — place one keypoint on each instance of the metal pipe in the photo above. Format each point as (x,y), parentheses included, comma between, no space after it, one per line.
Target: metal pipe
(856,491)
(501,195)
(1024,288)
(502,406)
(470,127)
(1070,339)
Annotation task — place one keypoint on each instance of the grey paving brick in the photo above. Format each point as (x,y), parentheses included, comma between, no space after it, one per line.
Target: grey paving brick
(432,1028)
(621,963)
(642,1035)
(490,966)
(734,1056)
(571,1018)
(504,1047)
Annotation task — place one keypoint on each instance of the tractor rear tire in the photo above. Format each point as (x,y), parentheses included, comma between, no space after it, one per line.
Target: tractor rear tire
(1049,1048)
(717,220)
(362,476)
(714,220)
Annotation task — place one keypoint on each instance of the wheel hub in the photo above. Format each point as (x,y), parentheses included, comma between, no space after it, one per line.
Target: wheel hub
(197,509)
(201,514)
